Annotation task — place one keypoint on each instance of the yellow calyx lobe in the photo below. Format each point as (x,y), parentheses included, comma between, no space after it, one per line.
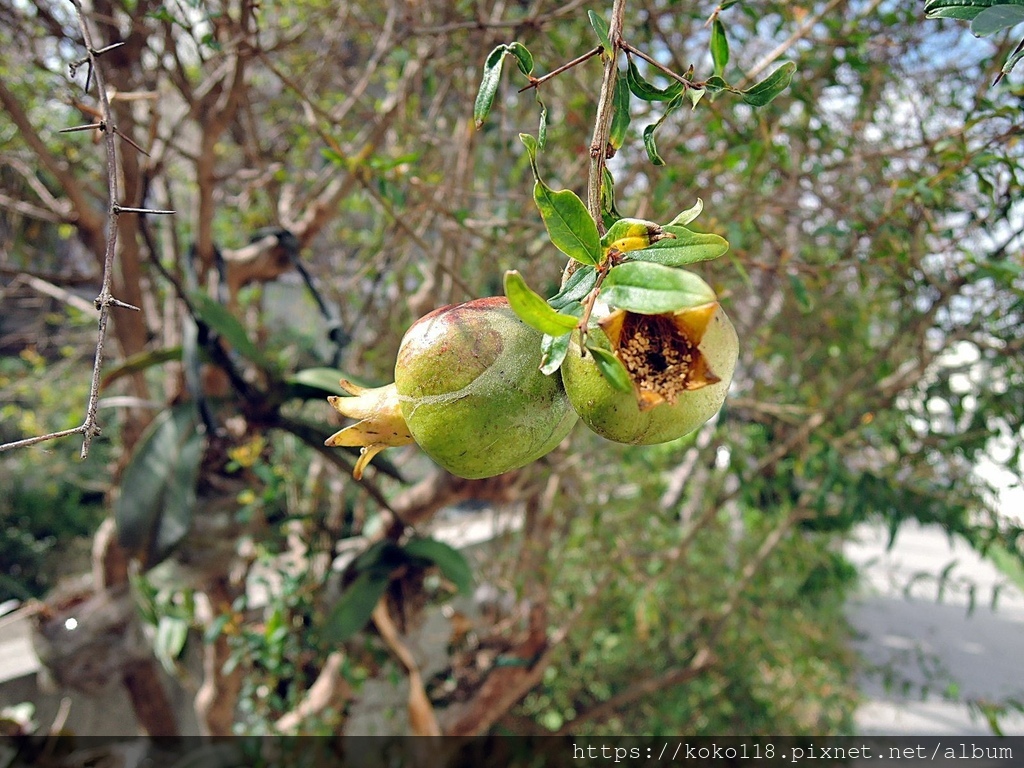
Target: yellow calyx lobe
(381,423)
(661,352)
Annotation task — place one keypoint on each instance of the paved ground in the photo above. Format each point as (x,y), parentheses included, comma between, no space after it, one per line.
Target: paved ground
(929,628)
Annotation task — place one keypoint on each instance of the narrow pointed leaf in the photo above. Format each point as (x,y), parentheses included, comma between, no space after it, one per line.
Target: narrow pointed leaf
(651,289)
(542,123)
(601,28)
(140,362)
(763,92)
(719,47)
(611,368)
(649,145)
(620,114)
(532,309)
(685,217)
(488,84)
(688,247)
(608,210)
(219,318)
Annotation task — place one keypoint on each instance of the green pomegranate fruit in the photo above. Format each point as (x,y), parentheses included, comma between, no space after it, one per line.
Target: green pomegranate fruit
(680,365)
(468,390)
(471,391)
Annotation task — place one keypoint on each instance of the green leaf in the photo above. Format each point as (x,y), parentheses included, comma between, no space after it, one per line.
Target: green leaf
(169,641)
(620,114)
(997,18)
(962,9)
(688,247)
(453,564)
(685,217)
(542,123)
(649,145)
(651,289)
(533,309)
(601,28)
(140,362)
(153,510)
(719,47)
(611,368)
(355,607)
(608,209)
(715,84)
(695,95)
(762,93)
(383,556)
(219,318)
(553,350)
(644,90)
(1012,59)
(804,302)
(488,84)
(568,223)
(523,57)
(580,283)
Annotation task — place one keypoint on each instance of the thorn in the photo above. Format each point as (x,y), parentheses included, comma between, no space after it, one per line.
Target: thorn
(126,138)
(125,209)
(101,51)
(123,304)
(97,126)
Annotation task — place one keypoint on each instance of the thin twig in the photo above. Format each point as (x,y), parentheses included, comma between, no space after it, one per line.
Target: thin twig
(536,81)
(40,438)
(654,63)
(603,120)
(104,302)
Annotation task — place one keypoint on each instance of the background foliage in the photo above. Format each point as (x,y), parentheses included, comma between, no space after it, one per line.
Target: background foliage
(874,277)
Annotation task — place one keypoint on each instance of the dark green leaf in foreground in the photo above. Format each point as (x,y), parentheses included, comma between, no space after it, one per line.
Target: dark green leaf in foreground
(220,319)
(153,510)
(355,607)
(452,563)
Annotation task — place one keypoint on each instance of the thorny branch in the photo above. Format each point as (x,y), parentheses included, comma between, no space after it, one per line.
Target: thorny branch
(90,428)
